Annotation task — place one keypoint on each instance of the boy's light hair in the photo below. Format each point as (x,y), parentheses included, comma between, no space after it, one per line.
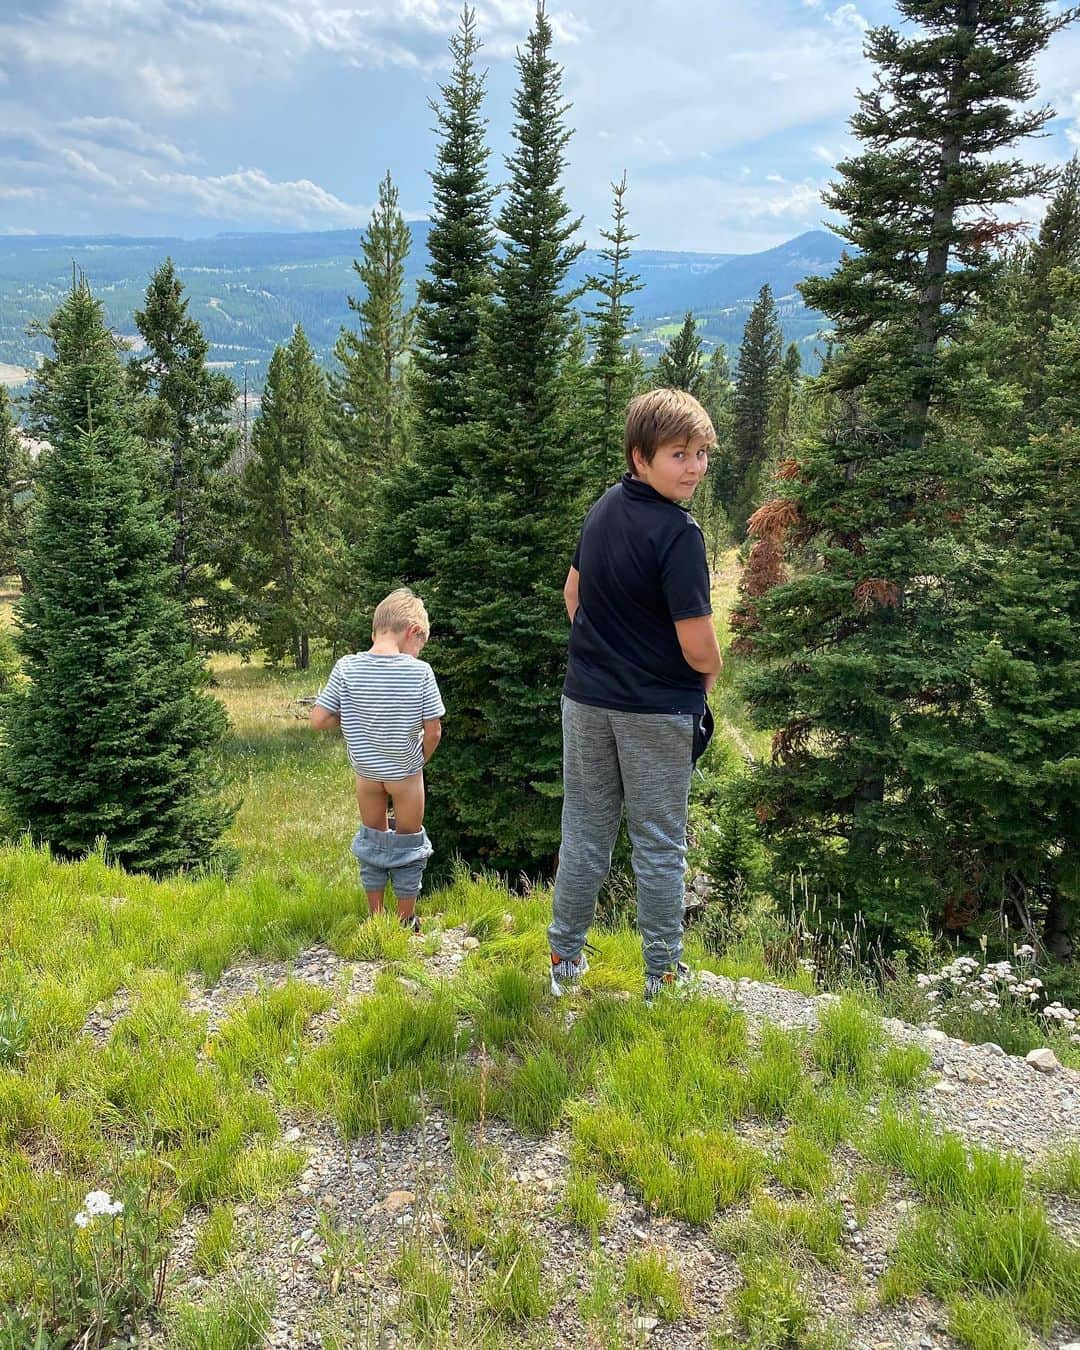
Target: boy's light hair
(399,611)
(664,415)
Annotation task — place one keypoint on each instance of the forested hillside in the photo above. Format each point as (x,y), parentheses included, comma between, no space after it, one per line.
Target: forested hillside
(248,290)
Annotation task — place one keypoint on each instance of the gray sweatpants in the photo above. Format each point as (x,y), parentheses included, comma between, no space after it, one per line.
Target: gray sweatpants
(610,759)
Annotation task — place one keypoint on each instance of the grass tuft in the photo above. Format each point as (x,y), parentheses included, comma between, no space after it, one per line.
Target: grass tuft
(233,1319)
(848,1041)
(652,1282)
(216,1241)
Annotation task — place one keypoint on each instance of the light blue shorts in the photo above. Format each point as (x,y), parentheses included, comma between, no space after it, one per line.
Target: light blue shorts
(385,855)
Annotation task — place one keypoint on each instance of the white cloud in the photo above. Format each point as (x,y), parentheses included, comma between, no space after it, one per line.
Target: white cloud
(87,169)
(251,195)
(184,53)
(175,89)
(123,134)
(847,18)
(11,194)
(742,215)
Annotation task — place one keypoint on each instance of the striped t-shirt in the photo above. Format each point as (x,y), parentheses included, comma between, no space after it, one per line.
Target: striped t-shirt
(382,702)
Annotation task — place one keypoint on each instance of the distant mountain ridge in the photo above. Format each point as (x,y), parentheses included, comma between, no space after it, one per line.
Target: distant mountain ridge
(248,290)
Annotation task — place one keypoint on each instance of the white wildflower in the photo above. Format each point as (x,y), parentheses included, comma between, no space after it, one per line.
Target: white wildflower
(82,1219)
(101,1202)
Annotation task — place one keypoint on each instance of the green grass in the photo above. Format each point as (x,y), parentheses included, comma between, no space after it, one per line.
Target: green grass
(216,1241)
(233,1319)
(651,1280)
(656,1099)
(1059,1172)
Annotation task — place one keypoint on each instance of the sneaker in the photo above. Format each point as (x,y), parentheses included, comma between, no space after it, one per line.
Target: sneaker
(411,924)
(678,977)
(566,971)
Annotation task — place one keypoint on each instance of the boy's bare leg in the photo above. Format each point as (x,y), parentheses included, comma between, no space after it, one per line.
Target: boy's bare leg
(408,797)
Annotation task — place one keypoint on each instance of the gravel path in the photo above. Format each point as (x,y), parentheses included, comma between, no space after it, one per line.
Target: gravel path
(383,1190)
(981,1093)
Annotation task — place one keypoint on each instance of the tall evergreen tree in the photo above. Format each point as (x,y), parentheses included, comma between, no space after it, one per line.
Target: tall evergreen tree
(369,393)
(112,734)
(716,395)
(369,404)
(680,365)
(16,487)
(1018,778)
(517,492)
(609,330)
(286,528)
(867,656)
(756,382)
(184,414)
(783,416)
(415,520)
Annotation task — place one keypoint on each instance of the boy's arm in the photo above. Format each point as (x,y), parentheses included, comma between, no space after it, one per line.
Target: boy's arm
(697,638)
(326,711)
(570,592)
(432,736)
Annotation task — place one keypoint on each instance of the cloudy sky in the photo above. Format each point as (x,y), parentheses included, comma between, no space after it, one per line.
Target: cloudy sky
(195,116)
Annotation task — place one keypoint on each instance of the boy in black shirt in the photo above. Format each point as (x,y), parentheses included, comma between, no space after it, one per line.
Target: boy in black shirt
(643,655)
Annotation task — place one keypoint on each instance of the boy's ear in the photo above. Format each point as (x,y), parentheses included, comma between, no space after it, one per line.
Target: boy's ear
(638,458)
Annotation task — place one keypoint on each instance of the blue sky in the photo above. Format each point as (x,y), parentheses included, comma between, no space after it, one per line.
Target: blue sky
(195,116)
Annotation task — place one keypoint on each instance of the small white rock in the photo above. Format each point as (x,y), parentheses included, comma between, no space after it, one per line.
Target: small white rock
(1044,1060)
(935,1036)
(291,1136)
(470,944)
(646,1323)
(995,1049)
(944,1089)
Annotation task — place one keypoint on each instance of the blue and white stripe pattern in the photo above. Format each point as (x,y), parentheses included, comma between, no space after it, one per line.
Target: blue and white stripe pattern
(382,702)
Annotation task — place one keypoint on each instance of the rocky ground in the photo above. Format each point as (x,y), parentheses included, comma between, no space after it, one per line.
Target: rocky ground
(325,1248)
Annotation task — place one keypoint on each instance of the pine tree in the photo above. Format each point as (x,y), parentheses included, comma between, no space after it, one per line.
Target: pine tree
(1017,779)
(609,331)
(867,655)
(415,519)
(517,492)
(680,365)
(369,395)
(783,415)
(112,735)
(369,405)
(1057,246)
(286,529)
(756,382)
(184,414)
(716,396)
(16,489)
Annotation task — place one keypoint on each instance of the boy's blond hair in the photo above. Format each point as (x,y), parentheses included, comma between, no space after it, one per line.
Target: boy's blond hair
(400,610)
(664,415)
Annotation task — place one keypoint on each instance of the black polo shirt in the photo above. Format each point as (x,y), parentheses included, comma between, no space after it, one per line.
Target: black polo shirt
(642,563)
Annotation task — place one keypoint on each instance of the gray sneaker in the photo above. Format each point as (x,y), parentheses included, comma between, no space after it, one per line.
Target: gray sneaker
(566,971)
(678,977)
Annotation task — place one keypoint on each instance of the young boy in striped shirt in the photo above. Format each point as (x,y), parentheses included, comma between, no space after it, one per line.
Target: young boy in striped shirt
(388,707)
